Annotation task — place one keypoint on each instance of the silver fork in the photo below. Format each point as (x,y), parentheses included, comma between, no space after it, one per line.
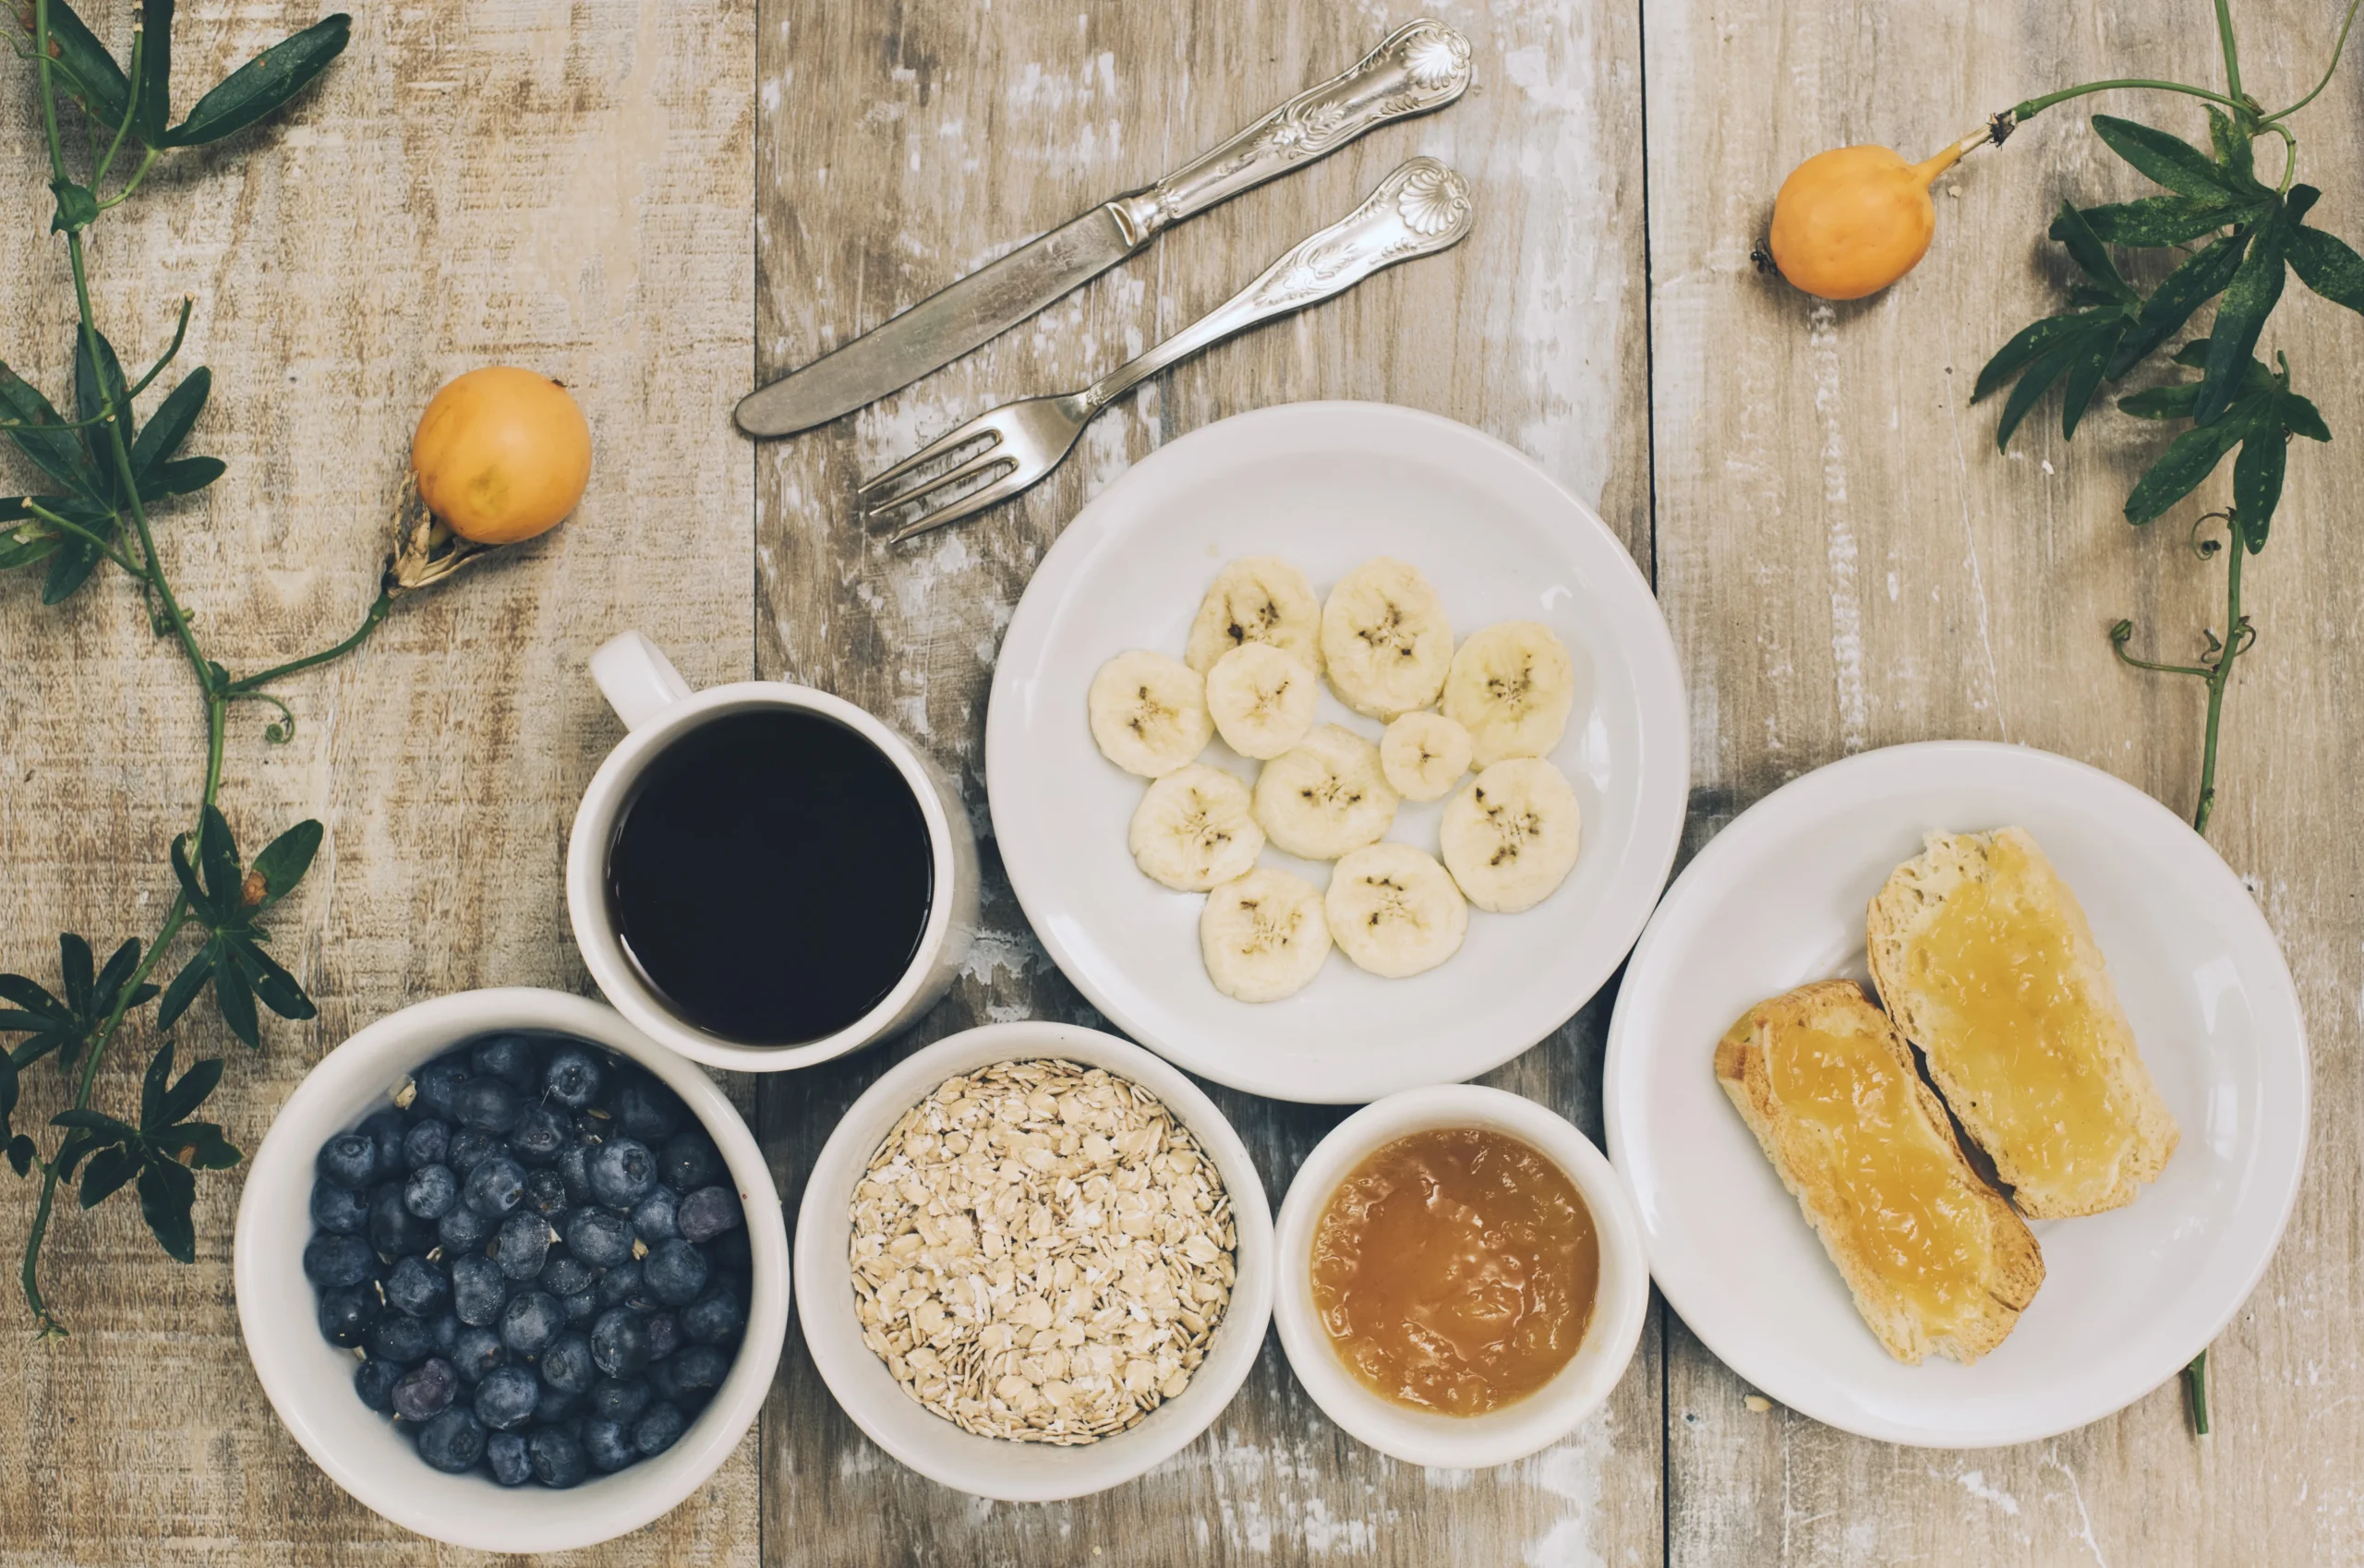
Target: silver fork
(1419,210)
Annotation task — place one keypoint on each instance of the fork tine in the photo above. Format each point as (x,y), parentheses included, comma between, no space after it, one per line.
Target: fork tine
(1001,490)
(958,436)
(992,457)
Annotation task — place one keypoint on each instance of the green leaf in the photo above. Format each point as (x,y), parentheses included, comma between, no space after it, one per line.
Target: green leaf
(90,384)
(30,543)
(279,990)
(2166,219)
(78,968)
(185,987)
(152,113)
(217,857)
(2232,145)
(2032,386)
(2198,278)
(199,900)
(2300,417)
(152,1084)
(69,567)
(234,995)
(2257,479)
(2171,401)
(2022,351)
(182,476)
(105,1175)
(2085,248)
(119,965)
(34,997)
(21,1154)
(190,1093)
(102,1128)
(2325,263)
(59,453)
(263,83)
(172,422)
(92,77)
(2170,161)
(166,1194)
(8,1095)
(200,1146)
(2248,299)
(76,207)
(2191,458)
(285,858)
(2084,376)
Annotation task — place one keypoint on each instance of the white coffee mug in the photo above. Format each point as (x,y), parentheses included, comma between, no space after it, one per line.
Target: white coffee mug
(658,708)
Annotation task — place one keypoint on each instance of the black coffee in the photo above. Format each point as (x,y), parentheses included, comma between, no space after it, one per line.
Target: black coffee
(770,876)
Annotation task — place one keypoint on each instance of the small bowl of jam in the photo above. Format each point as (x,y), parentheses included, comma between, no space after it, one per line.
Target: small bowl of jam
(1462,1279)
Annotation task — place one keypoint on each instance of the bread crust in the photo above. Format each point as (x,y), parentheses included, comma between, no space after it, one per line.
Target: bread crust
(1915,895)
(2013,1263)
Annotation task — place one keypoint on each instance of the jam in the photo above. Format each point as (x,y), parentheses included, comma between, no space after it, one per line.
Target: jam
(1455,1271)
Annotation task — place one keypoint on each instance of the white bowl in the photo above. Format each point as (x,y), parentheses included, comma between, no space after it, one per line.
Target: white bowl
(1552,1412)
(997,1467)
(309,1381)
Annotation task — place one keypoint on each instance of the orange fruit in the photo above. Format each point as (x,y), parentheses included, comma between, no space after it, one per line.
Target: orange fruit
(1852,220)
(501,454)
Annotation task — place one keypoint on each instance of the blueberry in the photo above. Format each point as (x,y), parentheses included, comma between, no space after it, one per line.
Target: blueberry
(546,1194)
(613,1399)
(426,1390)
(427,1143)
(621,1172)
(334,1261)
(452,1441)
(701,1367)
(350,1159)
(445,1327)
(471,1147)
(430,1191)
(384,1129)
(708,1212)
(462,1230)
(339,1210)
(620,1284)
(690,1160)
(664,1334)
(657,1216)
(644,1108)
(479,1290)
(567,1364)
(393,1229)
(504,1454)
(495,1187)
(477,1351)
(487,1104)
(620,1342)
(505,1398)
(540,1133)
(573,1168)
(716,1317)
(437,1082)
(566,1274)
(508,1058)
(417,1287)
(557,1458)
(530,1321)
(555,1406)
(608,1445)
(598,1236)
(345,1314)
(573,1077)
(522,1244)
(374,1381)
(674,1272)
(658,1430)
(400,1339)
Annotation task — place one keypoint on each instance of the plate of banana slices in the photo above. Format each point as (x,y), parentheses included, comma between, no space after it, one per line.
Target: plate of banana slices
(1336,749)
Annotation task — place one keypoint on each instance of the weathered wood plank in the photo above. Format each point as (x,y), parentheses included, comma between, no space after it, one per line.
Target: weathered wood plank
(534,182)
(1848,564)
(899,148)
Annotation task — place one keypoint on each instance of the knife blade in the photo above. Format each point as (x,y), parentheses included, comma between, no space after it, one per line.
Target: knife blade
(1422,66)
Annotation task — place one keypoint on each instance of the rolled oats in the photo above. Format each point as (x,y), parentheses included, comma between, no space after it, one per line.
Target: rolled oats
(1041,1252)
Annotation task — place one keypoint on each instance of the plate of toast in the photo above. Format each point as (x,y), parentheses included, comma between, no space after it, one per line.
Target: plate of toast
(1963,1092)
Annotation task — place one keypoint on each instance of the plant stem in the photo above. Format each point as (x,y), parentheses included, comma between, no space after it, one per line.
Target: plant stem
(2035,106)
(2195,1392)
(2232,50)
(130,107)
(2344,23)
(2219,674)
(54,520)
(378,613)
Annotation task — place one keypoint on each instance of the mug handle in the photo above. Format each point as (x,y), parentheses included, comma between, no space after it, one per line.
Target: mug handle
(636,678)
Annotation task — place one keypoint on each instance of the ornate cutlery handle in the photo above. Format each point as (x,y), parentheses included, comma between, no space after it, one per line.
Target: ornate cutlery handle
(1419,210)
(1421,65)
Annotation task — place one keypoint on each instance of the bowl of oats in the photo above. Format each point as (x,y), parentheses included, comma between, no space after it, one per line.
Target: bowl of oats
(1033,1260)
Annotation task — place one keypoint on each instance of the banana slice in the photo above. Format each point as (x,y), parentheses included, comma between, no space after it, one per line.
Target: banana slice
(1258,598)
(1393,910)
(1148,713)
(1510,687)
(1386,639)
(1326,796)
(1509,838)
(1194,829)
(1424,754)
(1261,699)
(1262,935)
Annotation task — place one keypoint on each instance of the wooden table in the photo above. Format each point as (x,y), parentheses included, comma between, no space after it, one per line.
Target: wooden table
(614,191)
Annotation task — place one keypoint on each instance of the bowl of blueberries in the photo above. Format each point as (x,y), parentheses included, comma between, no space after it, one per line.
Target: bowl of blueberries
(514,1274)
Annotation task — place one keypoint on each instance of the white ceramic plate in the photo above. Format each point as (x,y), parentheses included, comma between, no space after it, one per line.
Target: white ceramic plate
(1777,899)
(1328,486)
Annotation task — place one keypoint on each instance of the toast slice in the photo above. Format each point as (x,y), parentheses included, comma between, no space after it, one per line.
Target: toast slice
(1984,959)
(1936,1258)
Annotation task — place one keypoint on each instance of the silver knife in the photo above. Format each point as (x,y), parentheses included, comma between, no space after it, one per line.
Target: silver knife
(1421,65)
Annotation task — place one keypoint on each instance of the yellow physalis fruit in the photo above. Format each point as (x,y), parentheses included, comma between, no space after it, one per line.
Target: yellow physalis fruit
(1852,220)
(501,454)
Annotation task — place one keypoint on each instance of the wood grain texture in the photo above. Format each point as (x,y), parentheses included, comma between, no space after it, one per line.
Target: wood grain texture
(529,181)
(1847,564)
(901,147)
